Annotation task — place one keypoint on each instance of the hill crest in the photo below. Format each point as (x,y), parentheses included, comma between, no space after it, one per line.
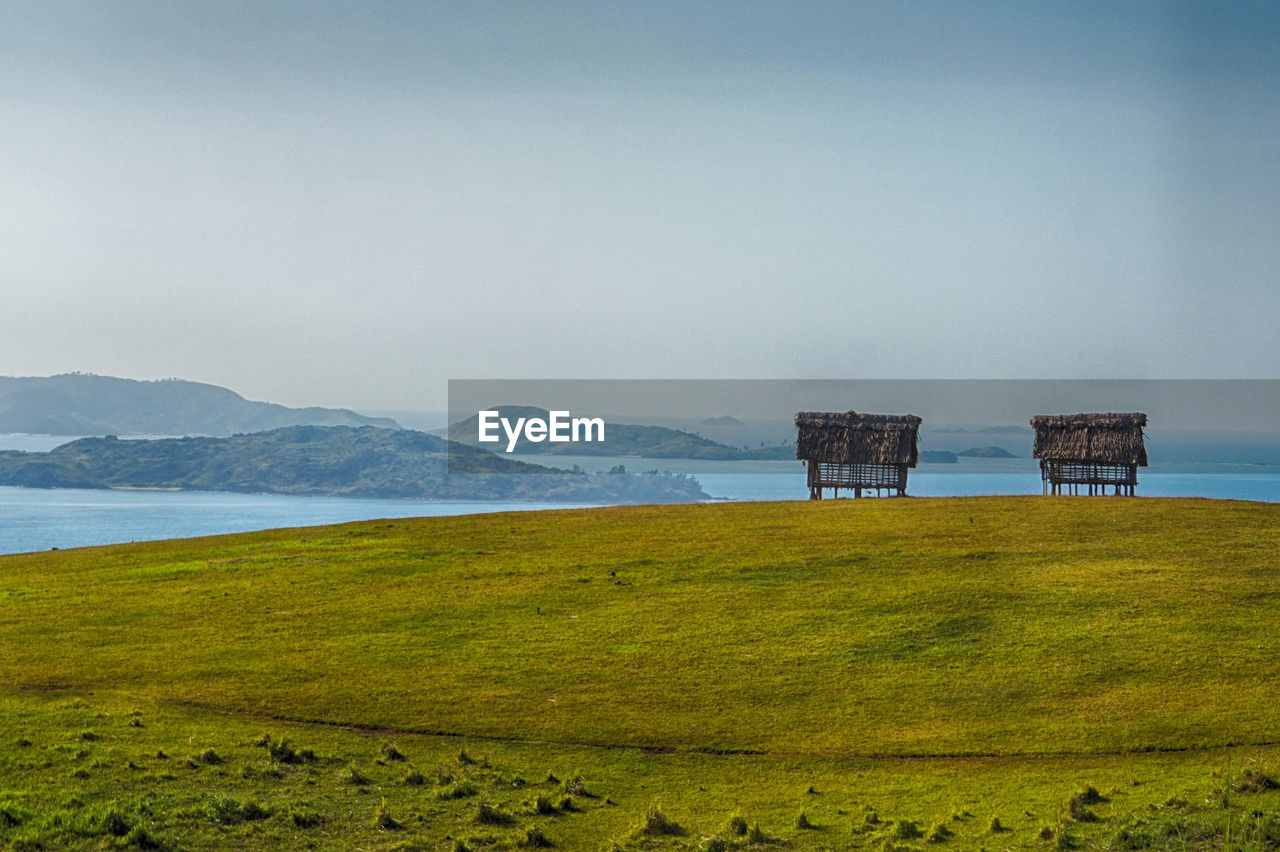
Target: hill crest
(87,404)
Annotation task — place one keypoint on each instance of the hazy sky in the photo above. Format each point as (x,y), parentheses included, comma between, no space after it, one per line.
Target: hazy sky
(349,203)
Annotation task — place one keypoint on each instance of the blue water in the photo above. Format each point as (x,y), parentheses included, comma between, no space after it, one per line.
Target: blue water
(40,519)
(1224,486)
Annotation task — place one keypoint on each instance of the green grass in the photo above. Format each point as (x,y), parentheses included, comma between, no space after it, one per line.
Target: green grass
(953,664)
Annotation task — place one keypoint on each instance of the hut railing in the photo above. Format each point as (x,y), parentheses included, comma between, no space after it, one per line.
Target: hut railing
(858,477)
(1059,472)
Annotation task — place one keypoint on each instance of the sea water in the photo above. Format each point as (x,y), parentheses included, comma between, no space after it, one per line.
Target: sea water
(44,518)
(39,519)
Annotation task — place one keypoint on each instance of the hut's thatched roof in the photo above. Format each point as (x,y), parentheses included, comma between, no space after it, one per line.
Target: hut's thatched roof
(1102,438)
(853,438)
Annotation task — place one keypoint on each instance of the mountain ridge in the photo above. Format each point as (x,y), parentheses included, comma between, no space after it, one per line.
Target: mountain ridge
(88,404)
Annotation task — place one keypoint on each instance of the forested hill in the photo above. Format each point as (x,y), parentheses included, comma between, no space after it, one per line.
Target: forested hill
(81,404)
(341,461)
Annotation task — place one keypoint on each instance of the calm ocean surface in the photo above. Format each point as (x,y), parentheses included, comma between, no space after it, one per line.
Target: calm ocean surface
(40,519)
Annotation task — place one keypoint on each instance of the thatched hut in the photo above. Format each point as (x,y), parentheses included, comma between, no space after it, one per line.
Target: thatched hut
(1096,450)
(857,451)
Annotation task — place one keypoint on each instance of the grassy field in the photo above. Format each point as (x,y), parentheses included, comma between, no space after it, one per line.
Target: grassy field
(983,673)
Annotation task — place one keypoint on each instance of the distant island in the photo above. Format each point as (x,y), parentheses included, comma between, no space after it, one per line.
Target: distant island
(723,420)
(621,439)
(346,461)
(985,430)
(83,404)
(986,453)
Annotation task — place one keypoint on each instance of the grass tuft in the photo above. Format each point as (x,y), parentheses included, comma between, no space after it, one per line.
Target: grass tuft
(542,806)
(12,814)
(1090,796)
(282,751)
(940,834)
(463,789)
(115,821)
(658,824)
(1254,781)
(353,776)
(535,839)
(208,757)
(576,786)
(139,838)
(383,819)
(487,814)
(1078,807)
(225,810)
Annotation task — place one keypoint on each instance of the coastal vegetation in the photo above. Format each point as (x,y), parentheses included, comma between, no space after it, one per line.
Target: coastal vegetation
(986,453)
(354,462)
